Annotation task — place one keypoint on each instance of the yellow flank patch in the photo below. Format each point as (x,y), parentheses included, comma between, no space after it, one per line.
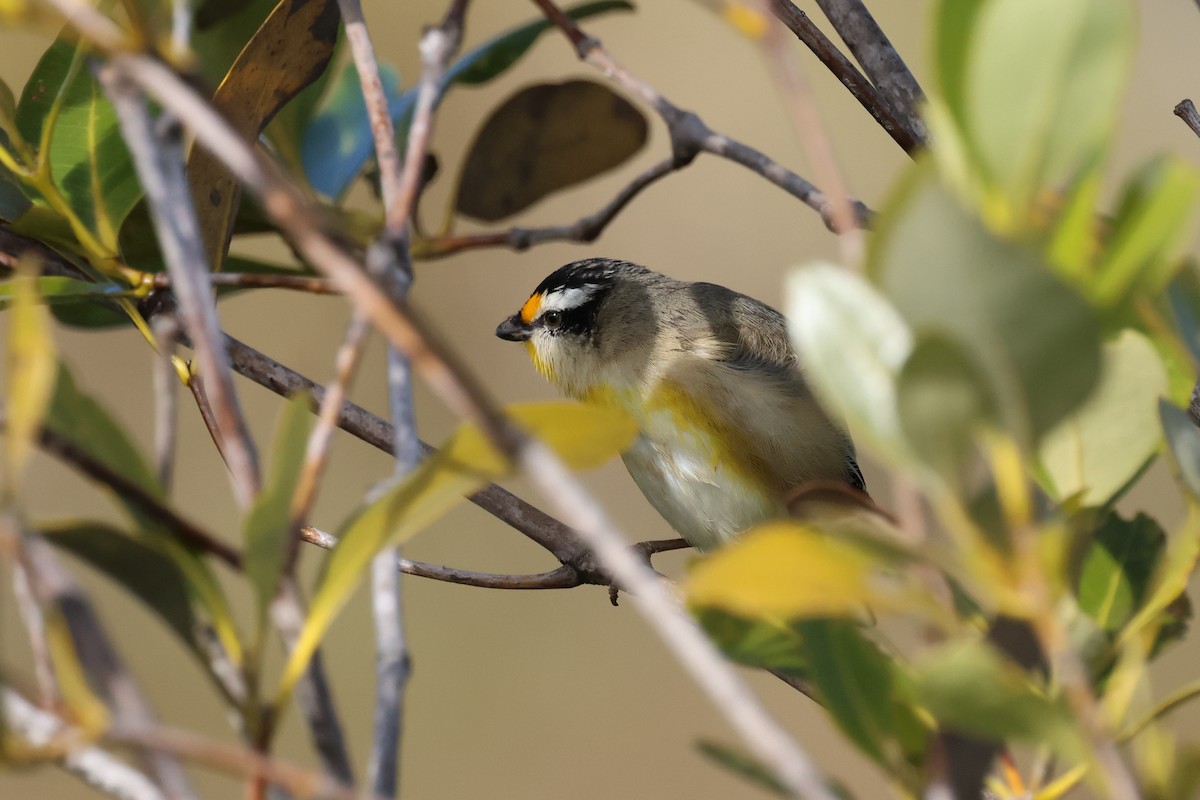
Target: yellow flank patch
(530,309)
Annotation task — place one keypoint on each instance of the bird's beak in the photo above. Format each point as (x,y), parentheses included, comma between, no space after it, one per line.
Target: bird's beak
(514,329)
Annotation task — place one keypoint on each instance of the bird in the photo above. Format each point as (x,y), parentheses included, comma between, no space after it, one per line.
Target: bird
(727,426)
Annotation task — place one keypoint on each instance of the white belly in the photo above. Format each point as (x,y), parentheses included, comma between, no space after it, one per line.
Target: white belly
(704,501)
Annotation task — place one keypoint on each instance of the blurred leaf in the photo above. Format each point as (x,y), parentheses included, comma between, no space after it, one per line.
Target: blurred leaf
(584,436)
(1104,443)
(543,139)
(792,571)
(267,529)
(1117,568)
(1148,230)
(1031,89)
(56,289)
(1168,583)
(852,344)
(1184,296)
(492,58)
(30,360)
(337,142)
(764,643)
(77,417)
(9,133)
(88,712)
(223,28)
(1183,441)
(140,569)
(742,765)
(1078,230)
(969,687)
(89,162)
(289,51)
(13,201)
(854,681)
(943,403)
(1035,340)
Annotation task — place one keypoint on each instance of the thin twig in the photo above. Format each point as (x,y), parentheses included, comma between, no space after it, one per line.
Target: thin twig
(815,141)
(690,135)
(166,381)
(35,629)
(868,95)
(68,746)
(585,229)
(249,280)
(314,694)
(564,577)
(234,760)
(53,586)
(883,65)
(1186,111)
(158,156)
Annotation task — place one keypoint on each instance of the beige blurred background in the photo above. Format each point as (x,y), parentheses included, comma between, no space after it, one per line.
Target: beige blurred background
(544,694)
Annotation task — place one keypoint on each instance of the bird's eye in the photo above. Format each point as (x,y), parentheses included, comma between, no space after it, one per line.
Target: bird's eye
(552,319)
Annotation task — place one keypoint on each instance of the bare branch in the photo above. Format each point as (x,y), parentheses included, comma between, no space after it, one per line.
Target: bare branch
(35,628)
(97,768)
(909,139)
(585,229)
(565,577)
(52,585)
(158,156)
(1186,111)
(234,760)
(883,65)
(246,280)
(313,692)
(689,134)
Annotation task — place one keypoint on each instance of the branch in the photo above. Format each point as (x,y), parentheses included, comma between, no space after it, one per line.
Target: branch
(240,761)
(585,229)
(247,280)
(158,156)
(166,379)
(53,586)
(97,768)
(884,66)
(910,138)
(689,134)
(1186,111)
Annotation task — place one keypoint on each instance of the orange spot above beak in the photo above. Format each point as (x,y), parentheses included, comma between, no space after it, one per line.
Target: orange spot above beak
(530,309)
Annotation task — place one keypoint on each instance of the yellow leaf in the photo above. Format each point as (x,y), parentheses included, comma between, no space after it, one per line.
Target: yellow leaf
(747,21)
(790,570)
(88,710)
(31,367)
(583,436)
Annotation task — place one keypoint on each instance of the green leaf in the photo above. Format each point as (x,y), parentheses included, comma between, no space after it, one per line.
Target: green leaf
(1031,88)
(854,682)
(943,403)
(743,765)
(89,162)
(1117,567)
(492,58)
(1105,442)
(57,289)
(77,417)
(764,643)
(969,687)
(30,359)
(1034,340)
(543,139)
(267,529)
(584,436)
(338,143)
(852,344)
(140,569)
(1148,230)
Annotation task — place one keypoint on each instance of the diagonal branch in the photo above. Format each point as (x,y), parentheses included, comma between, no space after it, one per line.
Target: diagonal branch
(883,65)
(899,127)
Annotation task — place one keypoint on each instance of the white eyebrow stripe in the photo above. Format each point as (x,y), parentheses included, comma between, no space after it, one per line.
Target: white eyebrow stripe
(563,299)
